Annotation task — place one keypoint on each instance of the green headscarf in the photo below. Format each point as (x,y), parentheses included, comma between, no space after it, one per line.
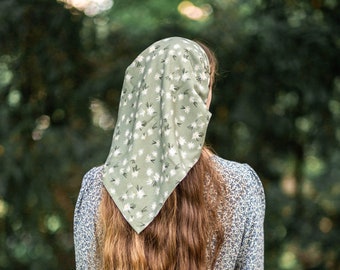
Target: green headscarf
(160,129)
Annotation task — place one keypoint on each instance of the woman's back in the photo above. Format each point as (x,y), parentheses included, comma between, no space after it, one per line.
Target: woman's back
(242,218)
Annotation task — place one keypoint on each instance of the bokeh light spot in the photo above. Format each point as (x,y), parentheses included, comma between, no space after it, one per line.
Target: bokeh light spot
(89,7)
(3,208)
(42,123)
(325,225)
(189,10)
(101,116)
(53,223)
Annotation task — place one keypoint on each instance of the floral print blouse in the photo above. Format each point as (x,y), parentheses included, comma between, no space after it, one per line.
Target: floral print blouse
(243,218)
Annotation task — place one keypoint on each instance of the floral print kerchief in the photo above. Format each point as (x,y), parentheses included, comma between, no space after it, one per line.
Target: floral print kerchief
(160,129)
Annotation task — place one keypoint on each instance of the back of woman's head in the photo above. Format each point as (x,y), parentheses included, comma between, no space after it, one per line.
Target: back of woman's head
(163,218)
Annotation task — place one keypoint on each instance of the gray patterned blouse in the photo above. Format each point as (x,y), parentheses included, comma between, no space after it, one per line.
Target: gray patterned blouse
(243,219)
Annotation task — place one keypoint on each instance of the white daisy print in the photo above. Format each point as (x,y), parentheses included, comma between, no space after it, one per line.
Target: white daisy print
(153,206)
(152,48)
(157,76)
(186,109)
(150,110)
(184,154)
(181,141)
(191,145)
(196,135)
(149,172)
(149,159)
(150,131)
(140,58)
(172,151)
(127,207)
(139,125)
(140,194)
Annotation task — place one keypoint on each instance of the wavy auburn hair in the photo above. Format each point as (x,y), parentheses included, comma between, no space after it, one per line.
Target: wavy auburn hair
(186,234)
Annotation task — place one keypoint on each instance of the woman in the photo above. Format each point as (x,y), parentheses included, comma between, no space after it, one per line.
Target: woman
(162,200)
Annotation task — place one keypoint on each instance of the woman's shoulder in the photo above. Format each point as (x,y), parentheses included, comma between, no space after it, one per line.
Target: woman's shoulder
(239,177)
(94,173)
(233,169)
(85,213)
(92,177)
(90,190)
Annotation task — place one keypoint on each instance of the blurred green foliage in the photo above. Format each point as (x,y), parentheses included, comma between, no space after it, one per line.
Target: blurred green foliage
(276,107)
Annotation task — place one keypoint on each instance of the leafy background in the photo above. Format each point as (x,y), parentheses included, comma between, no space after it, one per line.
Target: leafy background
(276,107)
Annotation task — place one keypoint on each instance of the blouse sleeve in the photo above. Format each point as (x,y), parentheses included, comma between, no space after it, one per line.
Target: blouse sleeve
(251,253)
(85,216)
